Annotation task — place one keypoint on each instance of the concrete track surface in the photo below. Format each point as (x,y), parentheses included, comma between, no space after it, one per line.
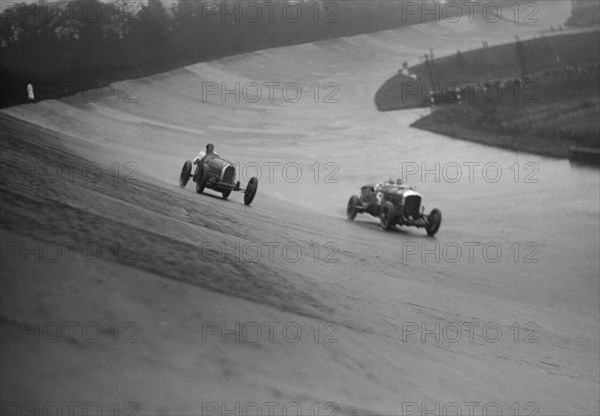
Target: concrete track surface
(123,291)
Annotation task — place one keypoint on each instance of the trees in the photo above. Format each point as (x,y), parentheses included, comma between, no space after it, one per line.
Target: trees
(75,43)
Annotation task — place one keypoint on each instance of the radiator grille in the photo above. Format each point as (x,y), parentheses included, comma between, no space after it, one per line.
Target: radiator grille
(412,205)
(229,174)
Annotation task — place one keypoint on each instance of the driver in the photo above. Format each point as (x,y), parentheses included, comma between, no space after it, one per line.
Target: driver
(210,151)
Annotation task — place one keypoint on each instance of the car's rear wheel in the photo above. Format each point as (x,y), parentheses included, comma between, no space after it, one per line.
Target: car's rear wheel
(433,222)
(226,193)
(186,171)
(351,208)
(201,181)
(387,216)
(250,190)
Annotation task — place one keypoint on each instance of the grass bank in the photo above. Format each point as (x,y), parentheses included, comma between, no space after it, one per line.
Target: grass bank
(540,96)
(548,114)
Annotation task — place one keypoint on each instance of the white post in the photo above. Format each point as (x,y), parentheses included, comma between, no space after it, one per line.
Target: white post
(30,93)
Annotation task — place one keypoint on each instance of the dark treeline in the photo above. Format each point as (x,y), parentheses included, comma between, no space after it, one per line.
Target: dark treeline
(66,46)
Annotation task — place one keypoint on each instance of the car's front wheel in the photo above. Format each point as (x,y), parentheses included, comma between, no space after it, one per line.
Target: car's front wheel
(433,222)
(351,208)
(186,171)
(387,216)
(250,190)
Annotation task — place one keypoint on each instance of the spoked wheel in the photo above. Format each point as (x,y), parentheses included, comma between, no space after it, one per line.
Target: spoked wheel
(387,220)
(433,222)
(186,171)
(250,190)
(351,207)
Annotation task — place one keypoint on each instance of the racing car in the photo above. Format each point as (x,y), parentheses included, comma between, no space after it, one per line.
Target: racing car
(395,204)
(217,174)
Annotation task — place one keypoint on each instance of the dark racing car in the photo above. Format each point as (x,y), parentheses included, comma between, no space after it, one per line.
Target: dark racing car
(217,174)
(394,204)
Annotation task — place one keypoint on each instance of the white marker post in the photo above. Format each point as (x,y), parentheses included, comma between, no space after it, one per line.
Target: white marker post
(30,93)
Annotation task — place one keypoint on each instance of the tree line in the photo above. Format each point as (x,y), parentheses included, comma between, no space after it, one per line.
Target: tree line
(61,47)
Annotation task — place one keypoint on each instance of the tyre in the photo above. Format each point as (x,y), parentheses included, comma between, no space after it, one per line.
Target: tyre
(226,193)
(250,190)
(387,216)
(186,171)
(433,222)
(201,182)
(351,207)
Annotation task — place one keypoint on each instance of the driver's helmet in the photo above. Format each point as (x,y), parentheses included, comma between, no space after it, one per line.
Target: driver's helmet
(399,181)
(210,148)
